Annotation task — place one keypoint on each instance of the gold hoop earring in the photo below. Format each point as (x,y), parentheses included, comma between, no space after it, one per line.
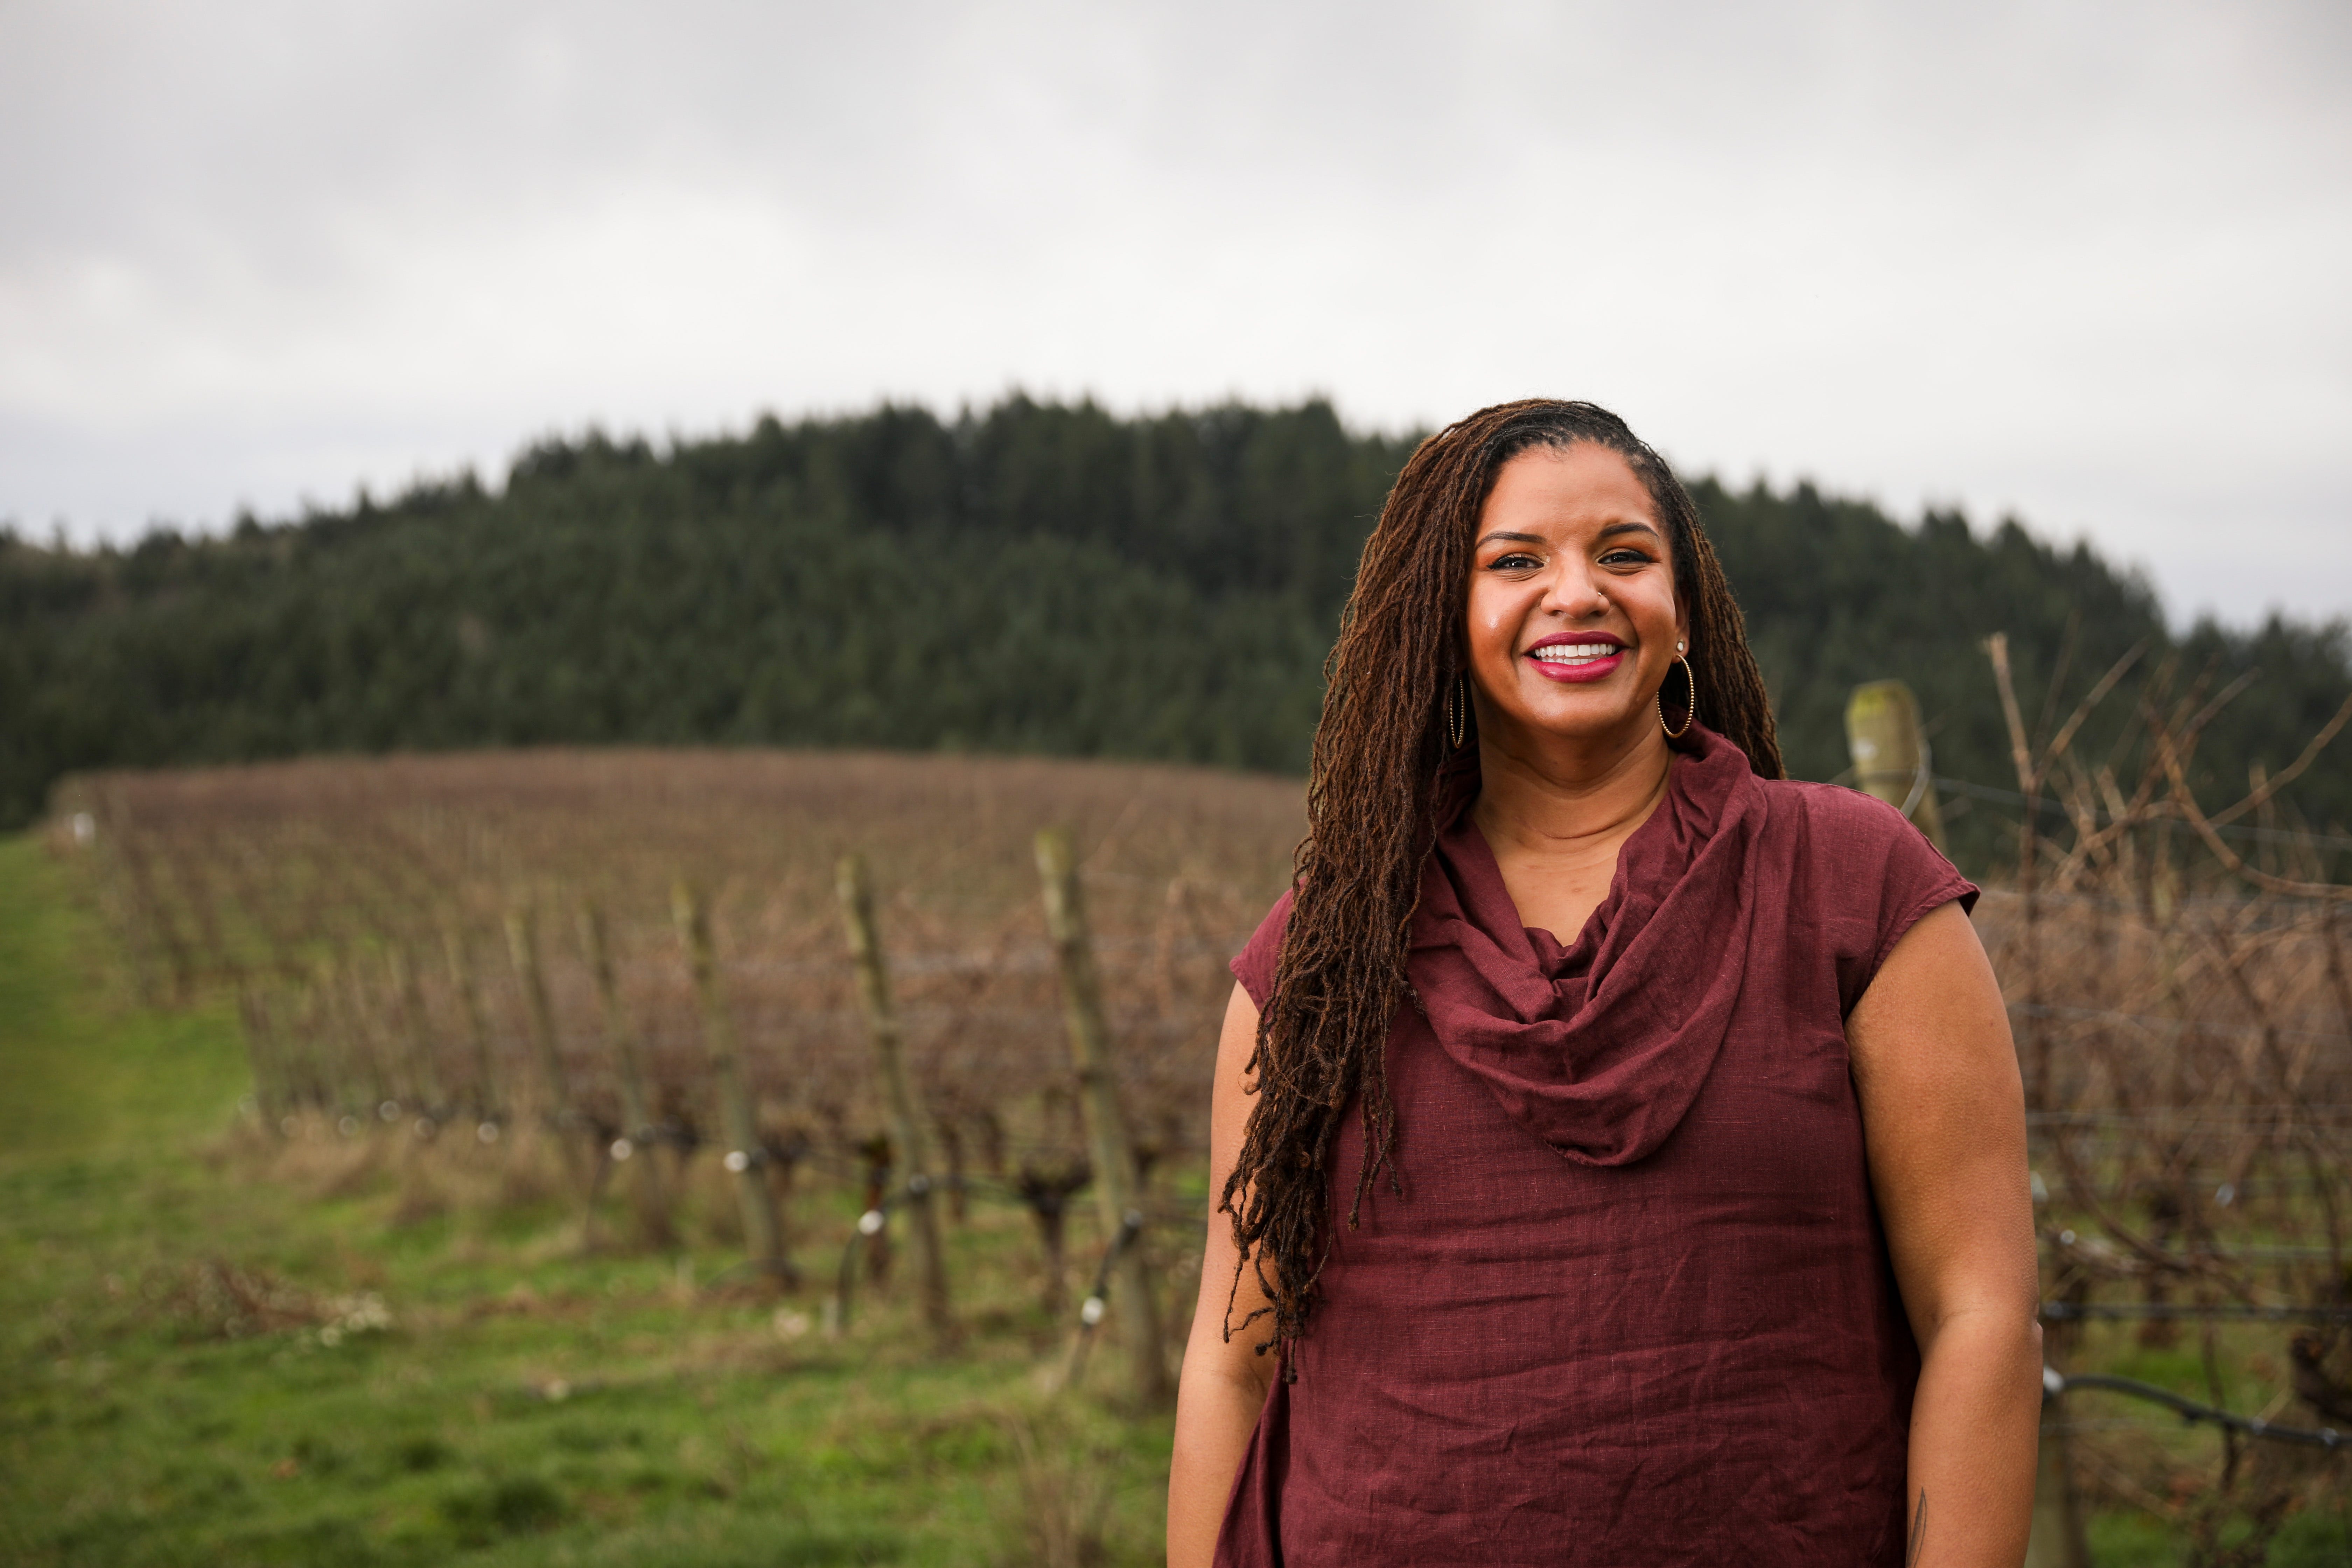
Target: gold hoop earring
(1457,711)
(1690,709)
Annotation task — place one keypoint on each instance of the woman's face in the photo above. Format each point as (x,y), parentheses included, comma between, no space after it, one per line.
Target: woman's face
(1573,620)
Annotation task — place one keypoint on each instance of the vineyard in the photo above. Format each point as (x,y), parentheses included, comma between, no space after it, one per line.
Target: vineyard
(635,968)
(916,1035)
(2179,981)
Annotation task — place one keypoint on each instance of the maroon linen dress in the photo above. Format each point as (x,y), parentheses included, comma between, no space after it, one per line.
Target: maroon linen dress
(1633,1306)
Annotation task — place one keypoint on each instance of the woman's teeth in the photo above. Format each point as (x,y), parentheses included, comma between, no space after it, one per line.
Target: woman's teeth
(1575,652)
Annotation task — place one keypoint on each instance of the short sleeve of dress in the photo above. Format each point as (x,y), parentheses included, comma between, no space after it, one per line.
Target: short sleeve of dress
(1882,877)
(1254,967)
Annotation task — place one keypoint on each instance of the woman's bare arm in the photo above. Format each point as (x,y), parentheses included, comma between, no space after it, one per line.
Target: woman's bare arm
(1944,1118)
(1224,1382)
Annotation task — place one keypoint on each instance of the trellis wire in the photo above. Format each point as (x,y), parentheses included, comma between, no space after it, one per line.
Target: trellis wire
(2055,1386)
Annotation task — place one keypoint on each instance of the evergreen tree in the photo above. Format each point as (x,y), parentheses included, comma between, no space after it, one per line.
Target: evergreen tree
(1039,577)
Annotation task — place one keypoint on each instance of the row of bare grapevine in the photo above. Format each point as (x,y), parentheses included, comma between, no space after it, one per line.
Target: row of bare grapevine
(2176,975)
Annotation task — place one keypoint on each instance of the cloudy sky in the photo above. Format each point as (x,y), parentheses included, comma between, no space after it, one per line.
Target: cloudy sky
(2086,262)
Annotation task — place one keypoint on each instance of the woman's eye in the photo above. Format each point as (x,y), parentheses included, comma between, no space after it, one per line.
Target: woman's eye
(1625,558)
(1517,561)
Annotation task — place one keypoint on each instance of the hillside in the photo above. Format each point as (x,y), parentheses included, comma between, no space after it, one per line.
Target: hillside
(1031,577)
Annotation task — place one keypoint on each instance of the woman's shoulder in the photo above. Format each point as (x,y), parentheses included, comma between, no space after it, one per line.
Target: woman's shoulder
(1800,803)
(1858,869)
(1845,832)
(1254,965)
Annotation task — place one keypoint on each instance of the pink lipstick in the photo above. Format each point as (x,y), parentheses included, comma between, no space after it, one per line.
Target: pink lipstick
(1578,658)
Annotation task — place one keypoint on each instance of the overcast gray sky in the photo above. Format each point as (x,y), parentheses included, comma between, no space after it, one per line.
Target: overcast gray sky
(2092,262)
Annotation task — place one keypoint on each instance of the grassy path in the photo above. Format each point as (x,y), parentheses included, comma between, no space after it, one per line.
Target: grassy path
(81,1073)
(216,1349)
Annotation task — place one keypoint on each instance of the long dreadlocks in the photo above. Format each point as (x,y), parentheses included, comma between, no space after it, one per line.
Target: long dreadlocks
(1370,801)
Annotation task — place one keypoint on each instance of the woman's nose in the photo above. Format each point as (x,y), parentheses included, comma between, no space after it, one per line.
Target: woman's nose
(1573,591)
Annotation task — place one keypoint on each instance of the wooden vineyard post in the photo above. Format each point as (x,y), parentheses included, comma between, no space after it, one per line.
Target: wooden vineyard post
(523,948)
(637,1136)
(1115,1180)
(763,1227)
(265,1055)
(321,1078)
(1175,910)
(2058,1539)
(331,1048)
(906,1124)
(295,1028)
(360,1081)
(478,1026)
(1891,759)
(425,1076)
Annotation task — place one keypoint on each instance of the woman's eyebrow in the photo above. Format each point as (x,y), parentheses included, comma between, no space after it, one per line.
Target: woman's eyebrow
(1628,528)
(1512,537)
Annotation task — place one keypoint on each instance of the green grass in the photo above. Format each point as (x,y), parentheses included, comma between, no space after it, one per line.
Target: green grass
(82,1073)
(2177,1465)
(526,1404)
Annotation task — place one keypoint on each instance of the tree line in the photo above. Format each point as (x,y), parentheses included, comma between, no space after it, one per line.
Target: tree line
(1028,577)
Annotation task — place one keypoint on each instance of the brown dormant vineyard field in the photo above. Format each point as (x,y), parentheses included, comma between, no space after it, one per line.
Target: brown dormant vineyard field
(364,909)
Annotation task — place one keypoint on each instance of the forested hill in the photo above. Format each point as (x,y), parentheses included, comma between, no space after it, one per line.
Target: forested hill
(1033,577)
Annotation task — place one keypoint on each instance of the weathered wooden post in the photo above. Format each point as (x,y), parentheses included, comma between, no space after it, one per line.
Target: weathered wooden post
(951,1155)
(1175,910)
(2023,980)
(360,1077)
(477,1024)
(763,1227)
(1046,1189)
(636,1145)
(297,1049)
(907,1122)
(1115,1179)
(423,1073)
(1891,759)
(369,1020)
(2058,1539)
(523,948)
(265,1056)
(314,1047)
(329,1045)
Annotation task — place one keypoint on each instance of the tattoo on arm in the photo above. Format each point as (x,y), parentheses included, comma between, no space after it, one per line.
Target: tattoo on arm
(1919,1532)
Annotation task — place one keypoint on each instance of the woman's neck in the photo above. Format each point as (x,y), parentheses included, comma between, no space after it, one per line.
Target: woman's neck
(1552,795)
(1555,817)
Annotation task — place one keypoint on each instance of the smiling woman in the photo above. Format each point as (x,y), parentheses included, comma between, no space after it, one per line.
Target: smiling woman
(1623,1145)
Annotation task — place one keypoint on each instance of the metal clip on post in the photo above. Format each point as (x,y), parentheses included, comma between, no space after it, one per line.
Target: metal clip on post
(1091,1310)
(870,1224)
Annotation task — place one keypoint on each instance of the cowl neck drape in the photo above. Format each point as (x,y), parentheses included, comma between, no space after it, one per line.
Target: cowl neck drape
(1598,1047)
